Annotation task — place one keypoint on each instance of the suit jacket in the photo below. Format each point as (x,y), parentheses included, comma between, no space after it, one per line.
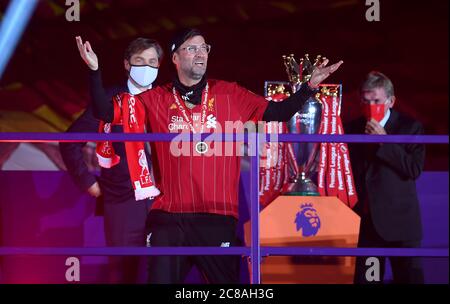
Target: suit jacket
(385,179)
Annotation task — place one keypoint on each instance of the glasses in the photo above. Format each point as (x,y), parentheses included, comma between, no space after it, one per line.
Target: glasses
(193,49)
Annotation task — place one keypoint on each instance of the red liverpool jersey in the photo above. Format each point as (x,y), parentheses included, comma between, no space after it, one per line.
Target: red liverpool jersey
(189,181)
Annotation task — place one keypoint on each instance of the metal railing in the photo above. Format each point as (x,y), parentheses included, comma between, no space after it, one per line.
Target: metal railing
(254,251)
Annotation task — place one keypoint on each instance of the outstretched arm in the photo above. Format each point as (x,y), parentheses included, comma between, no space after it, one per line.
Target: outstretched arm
(283,111)
(102,107)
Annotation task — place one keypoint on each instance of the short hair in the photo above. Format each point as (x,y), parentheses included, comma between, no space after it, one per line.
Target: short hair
(141,44)
(375,80)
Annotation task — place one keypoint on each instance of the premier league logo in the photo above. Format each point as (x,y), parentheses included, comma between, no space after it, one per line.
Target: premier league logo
(307,220)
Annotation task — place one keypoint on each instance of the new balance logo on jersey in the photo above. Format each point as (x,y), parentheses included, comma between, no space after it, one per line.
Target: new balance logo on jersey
(187,96)
(211,122)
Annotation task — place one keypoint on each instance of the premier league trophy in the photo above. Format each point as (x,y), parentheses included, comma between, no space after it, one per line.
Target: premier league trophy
(306,121)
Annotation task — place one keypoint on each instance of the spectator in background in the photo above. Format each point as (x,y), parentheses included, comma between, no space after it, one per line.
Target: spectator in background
(385,179)
(124,217)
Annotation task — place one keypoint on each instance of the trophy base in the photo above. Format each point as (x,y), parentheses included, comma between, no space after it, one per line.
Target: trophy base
(302,193)
(303,187)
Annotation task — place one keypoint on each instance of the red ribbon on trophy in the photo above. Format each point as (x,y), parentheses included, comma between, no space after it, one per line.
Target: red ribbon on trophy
(273,174)
(273,169)
(335,177)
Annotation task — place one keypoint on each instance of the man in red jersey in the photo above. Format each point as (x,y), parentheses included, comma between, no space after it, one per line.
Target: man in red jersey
(198,205)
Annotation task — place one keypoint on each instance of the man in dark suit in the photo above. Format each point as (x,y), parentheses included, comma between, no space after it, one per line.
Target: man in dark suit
(124,217)
(385,177)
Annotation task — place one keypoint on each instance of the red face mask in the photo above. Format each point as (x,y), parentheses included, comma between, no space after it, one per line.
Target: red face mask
(375,111)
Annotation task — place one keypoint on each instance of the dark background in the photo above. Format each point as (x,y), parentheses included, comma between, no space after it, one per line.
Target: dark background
(248,38)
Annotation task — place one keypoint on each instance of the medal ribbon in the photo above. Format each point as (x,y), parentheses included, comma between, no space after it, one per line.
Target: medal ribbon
(183,110)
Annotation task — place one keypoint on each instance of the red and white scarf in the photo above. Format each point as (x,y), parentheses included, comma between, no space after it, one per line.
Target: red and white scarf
(335,172)
(129,112)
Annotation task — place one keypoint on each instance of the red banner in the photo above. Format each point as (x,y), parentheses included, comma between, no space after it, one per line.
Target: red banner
(335,173)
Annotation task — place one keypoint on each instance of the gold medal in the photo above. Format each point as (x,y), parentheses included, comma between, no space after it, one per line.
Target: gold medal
(201,147)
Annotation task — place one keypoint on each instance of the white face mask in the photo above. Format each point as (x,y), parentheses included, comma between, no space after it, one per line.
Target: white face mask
(143,75)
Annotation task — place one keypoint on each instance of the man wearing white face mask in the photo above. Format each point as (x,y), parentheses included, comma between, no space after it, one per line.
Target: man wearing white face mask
(142,76)
(124,217)
(142,70)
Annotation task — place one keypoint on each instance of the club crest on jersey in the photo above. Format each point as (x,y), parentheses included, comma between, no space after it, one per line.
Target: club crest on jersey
(211,104)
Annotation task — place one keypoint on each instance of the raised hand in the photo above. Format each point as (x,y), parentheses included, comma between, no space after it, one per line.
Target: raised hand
(87,54)
(322,72)
(373,127)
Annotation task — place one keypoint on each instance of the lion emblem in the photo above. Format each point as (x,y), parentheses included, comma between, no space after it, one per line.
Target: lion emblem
(307,220)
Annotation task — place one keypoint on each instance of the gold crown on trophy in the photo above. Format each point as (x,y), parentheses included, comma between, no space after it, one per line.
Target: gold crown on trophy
(300,72)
